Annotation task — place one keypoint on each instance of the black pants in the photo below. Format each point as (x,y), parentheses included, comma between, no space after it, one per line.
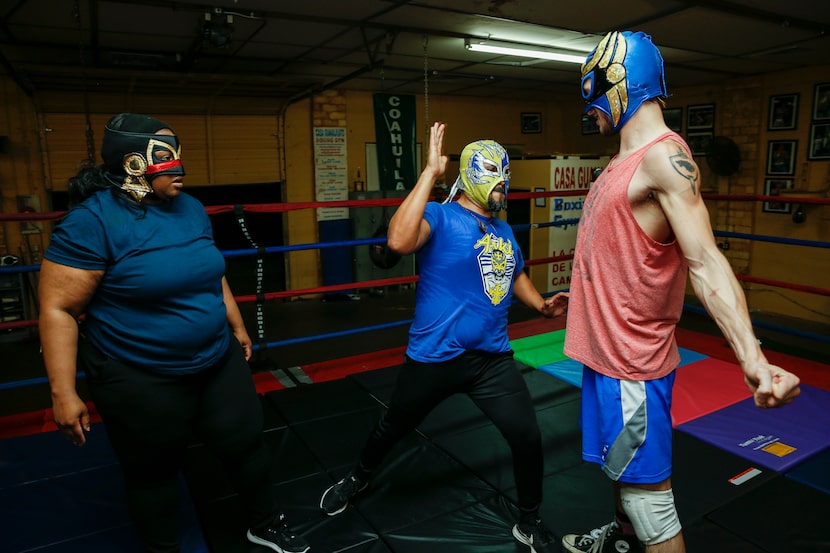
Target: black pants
(150,419)
(494,384)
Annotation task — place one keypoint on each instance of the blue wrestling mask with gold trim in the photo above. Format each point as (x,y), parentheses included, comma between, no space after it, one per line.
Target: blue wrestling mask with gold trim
(623,71)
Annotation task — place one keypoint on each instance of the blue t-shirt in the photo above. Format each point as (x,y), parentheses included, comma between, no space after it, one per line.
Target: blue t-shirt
(159,304)
(465,286)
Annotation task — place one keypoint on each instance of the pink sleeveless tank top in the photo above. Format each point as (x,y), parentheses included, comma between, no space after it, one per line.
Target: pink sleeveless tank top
(627,289)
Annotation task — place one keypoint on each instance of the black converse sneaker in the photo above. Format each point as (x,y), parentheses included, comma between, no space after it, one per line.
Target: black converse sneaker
(606,539)
(278,537)
(335,499)
(535,535)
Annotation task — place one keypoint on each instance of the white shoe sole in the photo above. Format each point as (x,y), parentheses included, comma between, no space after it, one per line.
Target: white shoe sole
(271,545)
(521,538)
(323,498)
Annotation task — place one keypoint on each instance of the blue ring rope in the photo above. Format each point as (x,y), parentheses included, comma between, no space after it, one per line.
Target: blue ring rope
(359,330)
(775,239)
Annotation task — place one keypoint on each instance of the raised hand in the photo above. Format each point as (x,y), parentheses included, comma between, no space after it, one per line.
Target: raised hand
(437,160)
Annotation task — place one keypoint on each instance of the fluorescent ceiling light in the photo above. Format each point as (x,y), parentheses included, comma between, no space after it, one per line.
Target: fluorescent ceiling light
(521,51)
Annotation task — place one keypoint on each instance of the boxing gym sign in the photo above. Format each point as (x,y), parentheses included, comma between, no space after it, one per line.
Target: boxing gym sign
(568,174)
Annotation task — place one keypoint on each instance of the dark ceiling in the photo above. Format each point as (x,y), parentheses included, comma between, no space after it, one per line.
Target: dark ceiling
(284,51)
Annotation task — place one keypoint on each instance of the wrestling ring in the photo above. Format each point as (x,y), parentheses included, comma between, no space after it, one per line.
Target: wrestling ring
(325,364)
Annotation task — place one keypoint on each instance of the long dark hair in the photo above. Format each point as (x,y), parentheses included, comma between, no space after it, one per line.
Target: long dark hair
(90,179)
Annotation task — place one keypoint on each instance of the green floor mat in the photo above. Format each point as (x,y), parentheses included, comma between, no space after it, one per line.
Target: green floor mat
(540,349)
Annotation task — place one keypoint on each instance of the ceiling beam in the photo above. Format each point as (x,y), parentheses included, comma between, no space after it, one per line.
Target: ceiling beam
(748,11)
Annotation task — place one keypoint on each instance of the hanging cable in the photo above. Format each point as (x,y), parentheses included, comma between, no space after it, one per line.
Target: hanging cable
(90,138)
(426,88)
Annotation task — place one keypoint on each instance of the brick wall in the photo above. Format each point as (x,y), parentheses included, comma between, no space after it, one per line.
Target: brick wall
(329,109)
(742,108)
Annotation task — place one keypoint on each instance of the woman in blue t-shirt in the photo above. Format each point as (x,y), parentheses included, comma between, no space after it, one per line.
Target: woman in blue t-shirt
(161,340)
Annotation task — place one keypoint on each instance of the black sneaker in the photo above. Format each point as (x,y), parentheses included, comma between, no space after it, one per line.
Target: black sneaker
(278,537)
(535,535)
(602,540)
(336,498)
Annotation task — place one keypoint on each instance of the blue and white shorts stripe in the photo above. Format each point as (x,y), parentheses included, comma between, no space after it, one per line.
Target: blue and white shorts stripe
(626,426)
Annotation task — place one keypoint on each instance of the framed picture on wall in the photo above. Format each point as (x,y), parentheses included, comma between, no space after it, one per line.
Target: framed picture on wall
(783,112)
(699,142)
(777,187)
(589,125)
(781,157)
(674,118)
(701,117)
(531,123)
(819,141)
(821,102)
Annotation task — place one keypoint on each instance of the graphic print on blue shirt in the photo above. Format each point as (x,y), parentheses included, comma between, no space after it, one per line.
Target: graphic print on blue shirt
(496,263)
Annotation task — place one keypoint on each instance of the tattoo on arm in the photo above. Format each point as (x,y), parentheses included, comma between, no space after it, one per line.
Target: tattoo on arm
(686,168)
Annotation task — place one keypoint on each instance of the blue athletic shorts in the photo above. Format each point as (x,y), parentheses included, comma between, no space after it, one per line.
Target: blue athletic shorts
(626,426)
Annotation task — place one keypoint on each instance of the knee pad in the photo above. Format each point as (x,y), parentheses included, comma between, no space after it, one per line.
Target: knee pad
(652,514)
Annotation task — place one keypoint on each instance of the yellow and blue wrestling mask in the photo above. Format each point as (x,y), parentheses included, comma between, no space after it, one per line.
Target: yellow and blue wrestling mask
(623,71)
(482,167)
(134,154)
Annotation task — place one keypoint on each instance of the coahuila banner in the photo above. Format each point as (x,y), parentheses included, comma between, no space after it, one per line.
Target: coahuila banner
(395,136)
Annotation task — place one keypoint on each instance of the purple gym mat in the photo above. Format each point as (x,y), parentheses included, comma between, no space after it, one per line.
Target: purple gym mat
(778,439)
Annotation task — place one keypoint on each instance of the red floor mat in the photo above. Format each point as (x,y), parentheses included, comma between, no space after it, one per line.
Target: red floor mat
(810,372)
(705,386)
